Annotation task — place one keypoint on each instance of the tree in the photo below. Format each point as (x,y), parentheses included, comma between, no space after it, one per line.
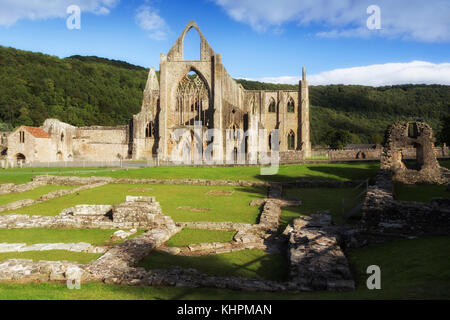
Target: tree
(338,139)
(444,134)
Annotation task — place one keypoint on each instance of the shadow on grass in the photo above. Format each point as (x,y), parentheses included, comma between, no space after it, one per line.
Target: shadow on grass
(246,264)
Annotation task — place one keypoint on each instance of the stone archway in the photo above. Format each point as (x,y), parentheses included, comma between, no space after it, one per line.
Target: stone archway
(20,158)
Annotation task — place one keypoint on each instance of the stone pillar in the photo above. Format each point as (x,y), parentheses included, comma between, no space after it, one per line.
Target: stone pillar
(219,142)
(163,134)
(305,141)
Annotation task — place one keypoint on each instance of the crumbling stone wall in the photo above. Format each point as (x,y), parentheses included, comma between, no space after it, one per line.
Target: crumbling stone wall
(317,261)
(385,216)
(127,215)
(400,137)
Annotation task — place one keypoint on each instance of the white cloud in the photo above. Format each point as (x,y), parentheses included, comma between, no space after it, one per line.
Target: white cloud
(149,20)
(420,20)
(415,72)
(12,11)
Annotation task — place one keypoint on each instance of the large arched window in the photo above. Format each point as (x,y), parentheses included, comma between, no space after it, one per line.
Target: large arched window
(192,45)
(272,106)
(291,106)
(149,130)
(291,140)
(192,100)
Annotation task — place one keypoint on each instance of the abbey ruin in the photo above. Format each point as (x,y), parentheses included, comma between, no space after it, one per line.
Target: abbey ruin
(188,95)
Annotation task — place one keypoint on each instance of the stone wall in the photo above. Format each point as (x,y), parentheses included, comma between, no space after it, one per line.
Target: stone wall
(71,180)
(401,136)
(385,216)
(317,261)
(127,215)
(51,195)
(355,154)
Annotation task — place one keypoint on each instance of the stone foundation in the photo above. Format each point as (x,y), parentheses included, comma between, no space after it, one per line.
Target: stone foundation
(385,216)
(316,259)
(127,215)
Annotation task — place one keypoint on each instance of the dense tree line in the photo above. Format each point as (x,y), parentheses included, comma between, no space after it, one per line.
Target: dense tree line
(79,90)
(87,91)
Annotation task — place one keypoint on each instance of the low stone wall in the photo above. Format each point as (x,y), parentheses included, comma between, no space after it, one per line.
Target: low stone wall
(201,249)
(17,188)
(288,157)
(119,261)
(71,180)
(127,215)
(355,154)
(74,247)
(316,259)
(385,216)
(22,270)
(49,196)
(219,226)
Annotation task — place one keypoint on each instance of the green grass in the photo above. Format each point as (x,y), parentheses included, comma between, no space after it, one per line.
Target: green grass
(341,171)
(246,263)
(315,199)
(33,236)
(445,163)
(325,171)
(32,194)
(420,193)
(52,255)
(194,236)
(234,208)
(410,269)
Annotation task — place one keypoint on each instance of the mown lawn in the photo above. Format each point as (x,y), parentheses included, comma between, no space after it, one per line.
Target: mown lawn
(410,269)
(246,263)
(315,199)
(194,236)
(420,193)
(324,171)
(445,163)
(177,201)
(51,255)
(33,236)
(32,194)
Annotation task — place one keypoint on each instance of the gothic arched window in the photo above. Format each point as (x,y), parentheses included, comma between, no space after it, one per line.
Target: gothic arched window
(291,140)
(272,106)
(291,106)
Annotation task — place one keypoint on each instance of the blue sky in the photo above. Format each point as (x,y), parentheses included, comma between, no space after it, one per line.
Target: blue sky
(264,40)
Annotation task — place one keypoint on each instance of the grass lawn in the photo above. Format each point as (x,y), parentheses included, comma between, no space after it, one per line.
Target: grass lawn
(32,194)
(246,263)
(234,208)
(33,236)
(341,171)
(445,163)
(315,199)
(325,171)
(410,269)
(194,236)
(52,255)
(420,193)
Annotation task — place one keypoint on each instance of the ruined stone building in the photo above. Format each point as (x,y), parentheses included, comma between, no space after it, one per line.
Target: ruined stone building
(187,92)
